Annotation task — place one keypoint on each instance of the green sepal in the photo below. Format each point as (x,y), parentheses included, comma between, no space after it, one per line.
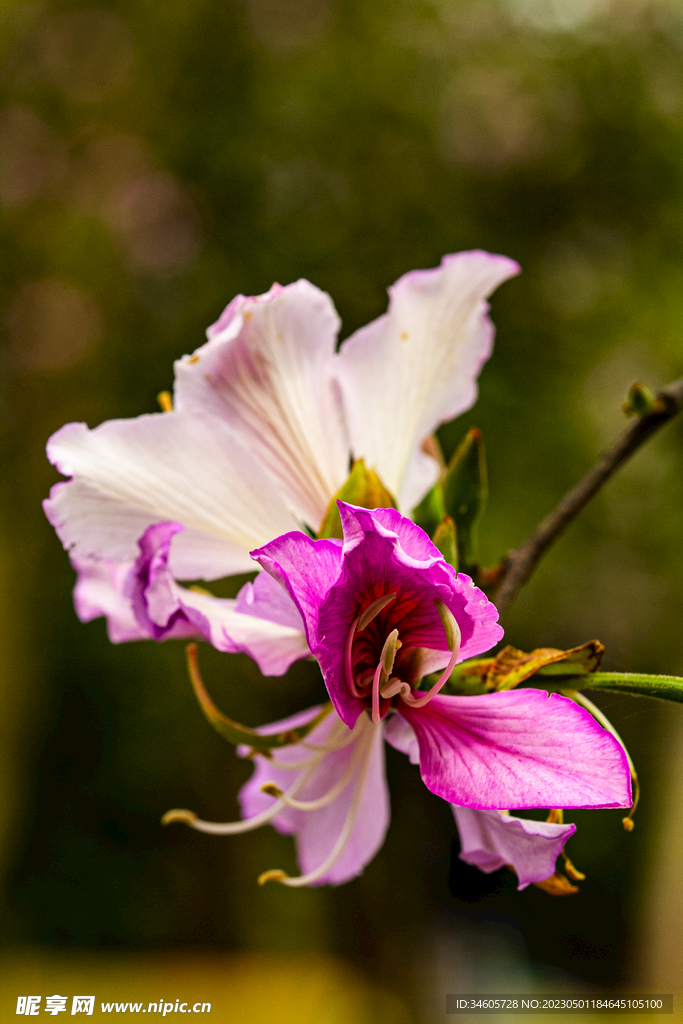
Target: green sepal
(464,494)
(235,733)
(446,540)
(364,488)
(635,684)
(428,515)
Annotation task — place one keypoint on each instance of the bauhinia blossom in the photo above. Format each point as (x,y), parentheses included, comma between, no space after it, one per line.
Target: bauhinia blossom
(381,610)
(265,418)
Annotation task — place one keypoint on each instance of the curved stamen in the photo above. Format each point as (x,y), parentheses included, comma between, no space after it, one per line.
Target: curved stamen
(373,610)
(348,660)
(226,828)
(453,638)
(383,670)
(394,686)
(232,828)
(332,794)
(344,836)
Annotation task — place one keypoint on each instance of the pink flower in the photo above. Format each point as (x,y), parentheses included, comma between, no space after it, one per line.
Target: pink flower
(379,611)
(266,416)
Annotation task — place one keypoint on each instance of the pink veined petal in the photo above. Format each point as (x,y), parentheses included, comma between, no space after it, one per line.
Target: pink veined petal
(489,840)
(100,590)
(520,748)
(317,831)
(305,568)
(423,358)
(129,474)
(265,598)
(142,601)
(268,371)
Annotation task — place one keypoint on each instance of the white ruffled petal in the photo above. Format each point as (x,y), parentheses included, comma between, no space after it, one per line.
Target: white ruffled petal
(268,371)
(128,474)
(417,366)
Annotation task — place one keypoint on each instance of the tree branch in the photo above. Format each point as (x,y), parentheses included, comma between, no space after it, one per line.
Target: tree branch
(520,563)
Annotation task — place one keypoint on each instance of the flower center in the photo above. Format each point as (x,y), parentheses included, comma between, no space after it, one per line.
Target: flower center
(379,686)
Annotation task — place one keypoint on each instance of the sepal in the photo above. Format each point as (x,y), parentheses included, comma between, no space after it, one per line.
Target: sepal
(235,733)
(465,492)
(363,488)
(446,540)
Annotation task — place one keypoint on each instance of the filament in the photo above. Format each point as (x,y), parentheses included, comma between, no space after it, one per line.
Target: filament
(372,610)
(344,835)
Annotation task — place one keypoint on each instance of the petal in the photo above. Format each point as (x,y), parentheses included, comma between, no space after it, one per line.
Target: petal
(128,474)
(99,591)
(416,366)
(266,599)
(489,840)
(317,831)
(142,601)
(375,563)
(521,748)
(401,736)
(305,568)
(268,371)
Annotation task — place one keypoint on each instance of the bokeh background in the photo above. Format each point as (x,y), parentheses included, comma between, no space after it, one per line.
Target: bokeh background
(157,159)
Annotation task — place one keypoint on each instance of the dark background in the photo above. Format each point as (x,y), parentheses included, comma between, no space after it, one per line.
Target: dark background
(156,159)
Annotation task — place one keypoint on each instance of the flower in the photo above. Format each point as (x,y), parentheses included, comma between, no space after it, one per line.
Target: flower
(379,611)
(384,609)
(265,417)
(330,792)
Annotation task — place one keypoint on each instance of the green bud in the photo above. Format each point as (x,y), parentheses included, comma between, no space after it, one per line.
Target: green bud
(364,488)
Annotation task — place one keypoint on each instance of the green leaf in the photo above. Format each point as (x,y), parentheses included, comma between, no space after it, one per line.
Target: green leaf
(364,488)
(464,494)
(636,684)
(445,539)
(235,733)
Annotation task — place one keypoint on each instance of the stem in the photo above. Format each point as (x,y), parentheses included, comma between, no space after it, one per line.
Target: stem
(517,568)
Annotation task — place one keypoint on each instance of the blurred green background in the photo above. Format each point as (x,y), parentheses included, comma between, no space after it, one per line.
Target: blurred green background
(157,159)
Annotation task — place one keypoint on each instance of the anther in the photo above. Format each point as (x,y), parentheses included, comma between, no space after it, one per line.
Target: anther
(187,817)
(274,875)
(574,873)
(272,790)
(165,401)
(373,609)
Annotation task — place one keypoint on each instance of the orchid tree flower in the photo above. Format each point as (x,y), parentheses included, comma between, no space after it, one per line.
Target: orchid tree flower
(380,611)
(264,420)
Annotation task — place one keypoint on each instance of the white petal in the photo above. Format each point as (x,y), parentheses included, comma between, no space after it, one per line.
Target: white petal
(267,370)
(128,474)
(417,366)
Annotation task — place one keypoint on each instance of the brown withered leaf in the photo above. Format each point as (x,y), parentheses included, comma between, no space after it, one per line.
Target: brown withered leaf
(512,667)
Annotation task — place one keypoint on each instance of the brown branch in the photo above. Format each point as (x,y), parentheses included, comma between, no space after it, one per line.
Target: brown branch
(520,563)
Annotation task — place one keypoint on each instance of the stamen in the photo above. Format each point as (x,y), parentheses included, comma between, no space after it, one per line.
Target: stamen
(373,609)
(383,670)
(344,836)
(165,401)
(453,638)
(348,660)
(394,686)
(227,828)
(231,828)
(327,798)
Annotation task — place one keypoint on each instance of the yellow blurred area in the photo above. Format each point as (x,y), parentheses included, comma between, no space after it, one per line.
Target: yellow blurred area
(244,989)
